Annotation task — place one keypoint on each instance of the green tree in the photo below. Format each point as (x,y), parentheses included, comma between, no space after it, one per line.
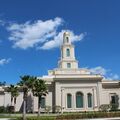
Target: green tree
(14,94)
(2,83)
(32,79)
(39,90)
(25,85)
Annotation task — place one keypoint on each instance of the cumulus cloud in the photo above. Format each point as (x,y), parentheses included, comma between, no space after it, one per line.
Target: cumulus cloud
(99,70)
(2,22)
(113,76)
(57,40)
(105,72)
(39,34)
(31,34)
(4,61)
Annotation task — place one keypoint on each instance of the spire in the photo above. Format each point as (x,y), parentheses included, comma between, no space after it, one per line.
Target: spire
(68,60)
(66,38)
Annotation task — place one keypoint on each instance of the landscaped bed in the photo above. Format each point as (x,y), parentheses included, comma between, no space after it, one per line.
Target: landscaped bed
(88,115)
(70,116)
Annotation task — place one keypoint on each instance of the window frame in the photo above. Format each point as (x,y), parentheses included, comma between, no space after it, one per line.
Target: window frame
(80,105)
(67,52)
(69,94)
(43,106)
(68,65)
(91,100)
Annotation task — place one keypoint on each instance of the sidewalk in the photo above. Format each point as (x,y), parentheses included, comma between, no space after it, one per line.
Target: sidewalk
(116,118)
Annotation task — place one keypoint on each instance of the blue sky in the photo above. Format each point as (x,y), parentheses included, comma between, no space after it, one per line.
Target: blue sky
(31,33)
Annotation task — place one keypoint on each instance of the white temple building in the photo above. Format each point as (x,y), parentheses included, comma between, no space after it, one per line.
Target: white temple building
(72,88)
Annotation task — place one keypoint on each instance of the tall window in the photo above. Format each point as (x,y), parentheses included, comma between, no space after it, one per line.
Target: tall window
(89,98)
(42,102)
(68,65)
(114,101)
(68,52)
(69,101)
(67,39)
(79,100)
(114,98)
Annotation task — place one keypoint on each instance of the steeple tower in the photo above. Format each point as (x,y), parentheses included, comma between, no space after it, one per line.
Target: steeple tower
(66,38)
(67,60)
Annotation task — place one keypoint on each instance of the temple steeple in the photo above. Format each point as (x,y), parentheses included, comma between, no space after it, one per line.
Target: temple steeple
(66,38)
(67,60)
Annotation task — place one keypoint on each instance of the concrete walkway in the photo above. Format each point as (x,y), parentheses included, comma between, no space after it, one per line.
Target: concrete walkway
(116,118)
(4,118)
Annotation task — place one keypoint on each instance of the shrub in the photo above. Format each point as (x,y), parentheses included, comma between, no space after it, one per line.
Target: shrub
(57,109)
(88,115)
(48,109)
(10,109)
(104,107)
(114,107)
(2,109)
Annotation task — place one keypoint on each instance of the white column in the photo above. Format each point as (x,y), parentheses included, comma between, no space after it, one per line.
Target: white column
(73,101)
(94,98)
(62,98)
(85,101)
(57,94)
(99,92)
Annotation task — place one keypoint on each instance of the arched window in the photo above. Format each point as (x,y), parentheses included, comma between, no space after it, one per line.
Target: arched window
(42,102)
(68,52)
(69,101)
(67,39)
(79,100)
(89,98)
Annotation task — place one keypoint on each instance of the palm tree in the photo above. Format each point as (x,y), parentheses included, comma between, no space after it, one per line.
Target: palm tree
(31,87)
(25,85)
(40,89)
(14,94)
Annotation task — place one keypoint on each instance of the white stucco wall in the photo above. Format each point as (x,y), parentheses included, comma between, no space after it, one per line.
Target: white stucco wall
(106,95)
(73,87)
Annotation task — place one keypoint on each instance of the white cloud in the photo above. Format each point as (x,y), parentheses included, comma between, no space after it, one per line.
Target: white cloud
(4,61)
(31,34)
(57,40)
(98,70)
(39,34)
(105,72)
(2,22)
(113,76)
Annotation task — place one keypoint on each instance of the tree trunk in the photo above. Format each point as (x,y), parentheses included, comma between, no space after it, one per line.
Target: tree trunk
(32,102)
(11,100)
(14,104)
(39,105)
(24,109)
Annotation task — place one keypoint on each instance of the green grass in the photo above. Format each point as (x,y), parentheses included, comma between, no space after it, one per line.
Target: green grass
(38,118)
(28,117)
(66,116)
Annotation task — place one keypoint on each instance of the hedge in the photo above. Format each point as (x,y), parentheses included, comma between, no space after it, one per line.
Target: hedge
(88,115)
